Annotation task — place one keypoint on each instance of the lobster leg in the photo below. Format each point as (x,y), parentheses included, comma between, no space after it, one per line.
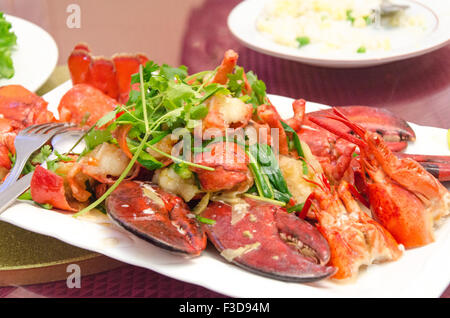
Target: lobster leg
(438,166)
(404,197)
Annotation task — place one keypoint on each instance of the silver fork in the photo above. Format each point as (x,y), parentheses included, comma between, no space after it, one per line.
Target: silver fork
(28,141)
(62,143)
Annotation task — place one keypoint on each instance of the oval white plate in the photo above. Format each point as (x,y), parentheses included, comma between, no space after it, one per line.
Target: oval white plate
(34,57)
(242,24)
(422,272)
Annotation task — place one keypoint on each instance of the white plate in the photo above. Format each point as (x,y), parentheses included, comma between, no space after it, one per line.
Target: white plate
(34,57)
(422,272)
(242,24)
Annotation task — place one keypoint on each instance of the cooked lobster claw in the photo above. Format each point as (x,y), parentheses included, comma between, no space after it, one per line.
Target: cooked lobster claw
(111,76)
(395,131)
(84,105)
(156,216)
(269,241)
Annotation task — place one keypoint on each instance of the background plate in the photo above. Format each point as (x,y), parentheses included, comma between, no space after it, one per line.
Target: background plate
(34,57)
(422,272)
(242,24)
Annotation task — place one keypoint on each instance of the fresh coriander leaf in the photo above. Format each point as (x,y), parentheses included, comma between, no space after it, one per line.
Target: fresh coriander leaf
(173,72)
(159,83)
(96,137)
(52,165)
(157,136)
(176,94)
(148,161)
(106,118)
(63,157)
(147,71)
(133,97)
(258,96)
(43,154)
(199,112)
(236,82)
(26,195)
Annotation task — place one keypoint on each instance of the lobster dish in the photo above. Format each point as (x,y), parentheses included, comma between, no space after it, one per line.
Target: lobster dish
(179,160)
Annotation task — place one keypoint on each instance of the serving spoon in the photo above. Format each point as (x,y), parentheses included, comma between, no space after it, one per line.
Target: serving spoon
(387,8)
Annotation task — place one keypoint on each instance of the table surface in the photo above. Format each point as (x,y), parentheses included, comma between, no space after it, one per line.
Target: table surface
(194,33)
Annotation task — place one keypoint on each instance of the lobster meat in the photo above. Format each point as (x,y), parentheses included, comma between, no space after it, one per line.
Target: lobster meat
(355,239)
(84,105)
(404,197)
(230,168)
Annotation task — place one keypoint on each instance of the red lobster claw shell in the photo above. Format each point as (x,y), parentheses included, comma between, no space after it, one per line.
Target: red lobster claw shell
(395,131)
(111,76)
(156,216)
(84,104)
(270,242)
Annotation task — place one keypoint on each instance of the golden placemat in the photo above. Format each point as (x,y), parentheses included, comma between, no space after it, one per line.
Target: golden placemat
(30,258)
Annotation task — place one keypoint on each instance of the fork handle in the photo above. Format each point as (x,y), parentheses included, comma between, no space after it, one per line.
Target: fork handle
(9,195)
